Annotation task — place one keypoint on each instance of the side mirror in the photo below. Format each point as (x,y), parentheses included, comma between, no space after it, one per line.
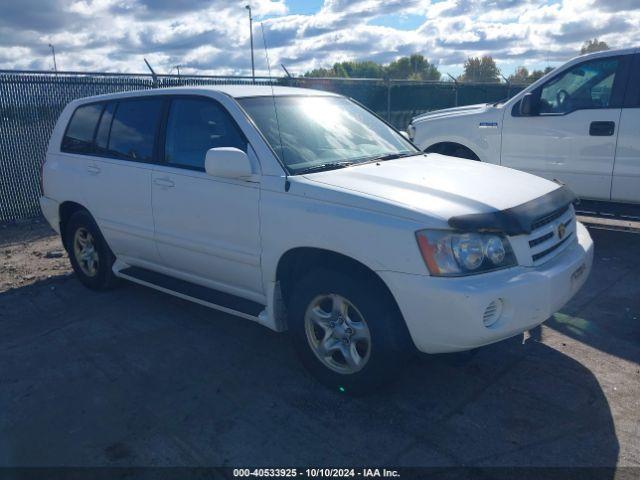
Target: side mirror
(527,105)
(227,162)
(405,134)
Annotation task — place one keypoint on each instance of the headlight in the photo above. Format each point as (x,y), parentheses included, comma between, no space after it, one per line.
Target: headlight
(453,254)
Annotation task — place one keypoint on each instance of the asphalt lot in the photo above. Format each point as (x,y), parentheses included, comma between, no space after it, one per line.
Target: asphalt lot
(136,377)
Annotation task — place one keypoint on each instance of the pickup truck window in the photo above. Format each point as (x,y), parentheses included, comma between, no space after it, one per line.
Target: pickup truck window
(79,135)
(309,132)
(586,86)
(193,127)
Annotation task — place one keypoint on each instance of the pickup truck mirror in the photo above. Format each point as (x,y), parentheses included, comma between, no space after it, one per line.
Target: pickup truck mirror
(227,162)
(527,104)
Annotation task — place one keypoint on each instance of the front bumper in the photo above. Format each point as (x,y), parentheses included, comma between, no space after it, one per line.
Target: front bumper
(446,314)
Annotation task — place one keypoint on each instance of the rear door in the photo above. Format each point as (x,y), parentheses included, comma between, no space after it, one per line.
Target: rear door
(118,180)
(625,185)
(572,135)
(207,228)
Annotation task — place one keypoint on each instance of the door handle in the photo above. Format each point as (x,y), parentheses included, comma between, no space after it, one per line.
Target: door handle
(602,129)
(164,182)
(93,169)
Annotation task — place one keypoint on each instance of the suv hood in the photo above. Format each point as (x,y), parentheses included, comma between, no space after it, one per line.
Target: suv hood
(436,185)
(449,112)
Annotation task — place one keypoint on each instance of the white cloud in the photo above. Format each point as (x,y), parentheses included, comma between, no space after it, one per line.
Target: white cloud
(212,36)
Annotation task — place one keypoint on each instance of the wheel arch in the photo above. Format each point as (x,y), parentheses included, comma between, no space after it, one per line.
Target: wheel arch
(66,210)
(296,261)
(443,147)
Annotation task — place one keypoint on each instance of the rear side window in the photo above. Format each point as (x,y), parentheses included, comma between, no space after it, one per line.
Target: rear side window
(79,135)
(133,129)
(194,126)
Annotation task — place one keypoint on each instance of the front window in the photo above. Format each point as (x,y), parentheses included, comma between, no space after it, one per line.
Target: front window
(585,86)
(312,133)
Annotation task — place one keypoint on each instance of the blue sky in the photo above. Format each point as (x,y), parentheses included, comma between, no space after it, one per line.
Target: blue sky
(212,36)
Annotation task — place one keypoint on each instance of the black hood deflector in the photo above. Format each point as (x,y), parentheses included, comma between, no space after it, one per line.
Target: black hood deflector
(516,220)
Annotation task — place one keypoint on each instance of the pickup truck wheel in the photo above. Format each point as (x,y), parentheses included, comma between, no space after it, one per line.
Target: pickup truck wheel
(347,330)
(91,257)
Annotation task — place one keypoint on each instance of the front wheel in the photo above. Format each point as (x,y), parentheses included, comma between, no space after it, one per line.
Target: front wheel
(347,330)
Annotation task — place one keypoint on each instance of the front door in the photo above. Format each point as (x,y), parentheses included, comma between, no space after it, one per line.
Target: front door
(206,228)
(625,186)
(571,136)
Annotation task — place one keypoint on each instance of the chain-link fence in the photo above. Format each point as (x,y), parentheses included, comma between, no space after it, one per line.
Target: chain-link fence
(30,103)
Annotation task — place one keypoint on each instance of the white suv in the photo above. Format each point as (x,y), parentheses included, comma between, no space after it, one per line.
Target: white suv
(578,124)
(302,211)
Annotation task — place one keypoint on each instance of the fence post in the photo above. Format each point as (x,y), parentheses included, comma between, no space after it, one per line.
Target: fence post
(455,89)
(388,81)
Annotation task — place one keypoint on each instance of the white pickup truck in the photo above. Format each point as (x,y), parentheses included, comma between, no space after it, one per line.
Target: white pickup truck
(579,124)
(301,211)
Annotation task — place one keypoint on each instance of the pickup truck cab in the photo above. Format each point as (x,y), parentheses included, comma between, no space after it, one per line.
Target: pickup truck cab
(302,211)
(579,124)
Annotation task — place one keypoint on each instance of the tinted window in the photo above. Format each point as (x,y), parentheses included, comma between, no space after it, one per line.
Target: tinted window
(79,135)
(588,85)
(193,127)
(102,135)
(133,129)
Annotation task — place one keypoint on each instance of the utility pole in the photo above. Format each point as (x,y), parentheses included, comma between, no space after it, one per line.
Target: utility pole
(253,68)
(53,52)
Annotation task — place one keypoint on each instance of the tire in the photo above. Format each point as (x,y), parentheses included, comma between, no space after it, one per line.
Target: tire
(367,304)
(91,257)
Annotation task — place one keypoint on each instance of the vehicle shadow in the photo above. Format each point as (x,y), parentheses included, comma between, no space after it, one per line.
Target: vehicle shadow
(134,377)
(605,314)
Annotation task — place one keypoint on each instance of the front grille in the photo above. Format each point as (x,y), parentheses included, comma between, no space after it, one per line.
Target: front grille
(554,232)
(542,221)
(546,252)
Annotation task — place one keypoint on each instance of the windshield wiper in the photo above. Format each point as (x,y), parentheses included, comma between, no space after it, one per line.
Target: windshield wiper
(389,156)
(324,167)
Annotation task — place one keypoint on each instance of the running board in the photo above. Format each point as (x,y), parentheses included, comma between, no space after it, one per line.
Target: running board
(208,297)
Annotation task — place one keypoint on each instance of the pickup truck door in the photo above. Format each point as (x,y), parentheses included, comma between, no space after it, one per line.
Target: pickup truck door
(206,228)
(571,134)
(625,185)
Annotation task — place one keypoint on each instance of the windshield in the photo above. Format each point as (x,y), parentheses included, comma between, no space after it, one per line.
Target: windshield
(320,133)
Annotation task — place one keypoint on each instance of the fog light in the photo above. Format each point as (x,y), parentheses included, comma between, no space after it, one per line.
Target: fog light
(492,313)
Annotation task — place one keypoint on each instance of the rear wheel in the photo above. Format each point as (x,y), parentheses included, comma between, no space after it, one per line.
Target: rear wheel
(347,330)
(91,257)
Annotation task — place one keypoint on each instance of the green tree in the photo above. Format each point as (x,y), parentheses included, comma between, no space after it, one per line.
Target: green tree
(415,67)
(523,76)
(594,45)
(537,74)
(349,69)
(480,70)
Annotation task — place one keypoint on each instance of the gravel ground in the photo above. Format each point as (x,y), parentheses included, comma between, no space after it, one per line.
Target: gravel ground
(30,252)
(137,377)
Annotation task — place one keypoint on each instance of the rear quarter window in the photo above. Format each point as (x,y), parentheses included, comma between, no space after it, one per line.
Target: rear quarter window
(78,137)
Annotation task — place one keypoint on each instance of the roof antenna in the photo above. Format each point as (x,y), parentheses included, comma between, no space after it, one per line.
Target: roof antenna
(153,74)
(275,108)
